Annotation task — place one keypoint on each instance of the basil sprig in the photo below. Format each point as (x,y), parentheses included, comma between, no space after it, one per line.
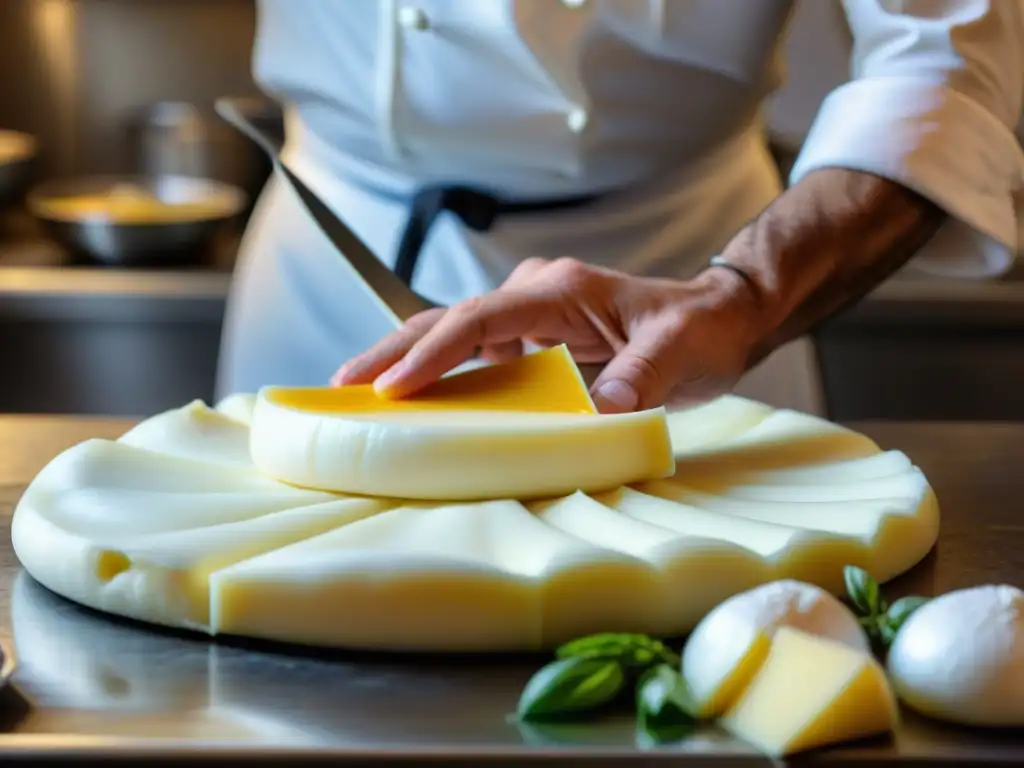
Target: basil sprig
(665,705)
(880,620)
(571,685)
(631,650)
(593,671)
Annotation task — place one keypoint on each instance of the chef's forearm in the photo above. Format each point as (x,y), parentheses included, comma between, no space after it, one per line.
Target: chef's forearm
(825,243)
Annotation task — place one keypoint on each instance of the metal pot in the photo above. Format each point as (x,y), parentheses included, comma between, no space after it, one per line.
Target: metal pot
(181,139)
(137,240)
(17,160)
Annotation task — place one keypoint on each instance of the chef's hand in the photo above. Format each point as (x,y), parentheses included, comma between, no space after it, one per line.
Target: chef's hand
(661,339)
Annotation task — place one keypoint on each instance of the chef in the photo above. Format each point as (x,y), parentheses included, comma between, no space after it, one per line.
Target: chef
(604,162)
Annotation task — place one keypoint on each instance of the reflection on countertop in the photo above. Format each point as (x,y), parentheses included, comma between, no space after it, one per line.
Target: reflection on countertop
(109,685)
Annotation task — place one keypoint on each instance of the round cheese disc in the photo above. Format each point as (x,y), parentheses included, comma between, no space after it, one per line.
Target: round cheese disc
(455,455)
(176,524)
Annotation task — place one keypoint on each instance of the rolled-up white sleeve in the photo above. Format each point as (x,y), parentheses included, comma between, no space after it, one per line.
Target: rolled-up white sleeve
(936,93)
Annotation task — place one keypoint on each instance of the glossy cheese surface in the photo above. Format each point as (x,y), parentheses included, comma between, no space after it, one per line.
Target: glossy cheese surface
(812,692)
(960,657)
(730,643)
(543,382)
(526,429)
(173,525)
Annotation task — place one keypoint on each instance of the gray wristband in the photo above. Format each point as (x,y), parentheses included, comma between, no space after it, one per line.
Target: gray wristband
(720,261)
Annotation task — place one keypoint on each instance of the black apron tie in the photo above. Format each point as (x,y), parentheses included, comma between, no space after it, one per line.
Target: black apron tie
(477,210)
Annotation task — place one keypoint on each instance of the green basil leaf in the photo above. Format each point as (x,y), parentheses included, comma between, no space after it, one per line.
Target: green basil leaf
(872,626)
(900,611)
(632,650)
(886,634)
(665,704)
(863,591)
(570,685)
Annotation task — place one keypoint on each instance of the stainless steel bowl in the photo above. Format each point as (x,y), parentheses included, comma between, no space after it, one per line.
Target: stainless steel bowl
(17,158)
(112,239)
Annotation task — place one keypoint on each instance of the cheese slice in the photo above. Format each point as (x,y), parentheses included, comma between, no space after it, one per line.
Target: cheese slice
(711,569)
(729,645)
(543,382)
(812,692)
(487,576)
(782,440)
(877,523)
(704,426)
(131,532)
(459,455)
(522,430)
(163,577)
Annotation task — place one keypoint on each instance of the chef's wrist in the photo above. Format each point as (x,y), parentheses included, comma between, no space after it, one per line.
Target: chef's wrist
(824,243)
(736,297)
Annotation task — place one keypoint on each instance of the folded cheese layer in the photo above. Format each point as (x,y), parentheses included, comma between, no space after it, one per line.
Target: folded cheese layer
(172,526)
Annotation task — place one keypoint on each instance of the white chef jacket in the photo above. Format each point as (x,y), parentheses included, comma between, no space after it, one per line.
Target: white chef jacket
(655,103)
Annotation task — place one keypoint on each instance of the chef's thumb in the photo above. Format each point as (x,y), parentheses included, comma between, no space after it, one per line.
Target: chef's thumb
(638,377)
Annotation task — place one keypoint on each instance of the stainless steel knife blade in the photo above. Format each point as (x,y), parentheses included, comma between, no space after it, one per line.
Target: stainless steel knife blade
(396,299)
(393,296)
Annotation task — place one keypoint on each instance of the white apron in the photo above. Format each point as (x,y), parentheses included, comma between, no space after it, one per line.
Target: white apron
(295,313)
(655,100)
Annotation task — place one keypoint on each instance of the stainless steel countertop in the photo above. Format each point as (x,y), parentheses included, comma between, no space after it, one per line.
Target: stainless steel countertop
(86,684)
(39,280)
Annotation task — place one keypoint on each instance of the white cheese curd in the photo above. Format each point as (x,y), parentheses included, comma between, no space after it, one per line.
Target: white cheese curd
(960,657)
(238,407)
(194,432)
(728,646)
(172,525)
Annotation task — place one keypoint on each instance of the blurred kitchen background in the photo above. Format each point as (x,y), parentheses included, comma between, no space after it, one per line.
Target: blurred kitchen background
(96,322)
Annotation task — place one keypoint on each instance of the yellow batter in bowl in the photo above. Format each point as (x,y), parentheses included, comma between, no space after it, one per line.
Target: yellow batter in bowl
(134,204)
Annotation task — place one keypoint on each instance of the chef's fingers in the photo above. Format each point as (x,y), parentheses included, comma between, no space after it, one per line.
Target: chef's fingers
(503,352)
(365,367)
(643,373)
(492,319)
(524,273)
(593,350)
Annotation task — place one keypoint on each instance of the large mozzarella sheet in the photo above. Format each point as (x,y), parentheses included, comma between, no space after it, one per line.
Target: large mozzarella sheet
(173,525)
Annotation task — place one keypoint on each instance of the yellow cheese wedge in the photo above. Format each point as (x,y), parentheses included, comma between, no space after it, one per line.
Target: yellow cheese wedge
(543,382)
(523,430)
(730,643)
(812,692)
